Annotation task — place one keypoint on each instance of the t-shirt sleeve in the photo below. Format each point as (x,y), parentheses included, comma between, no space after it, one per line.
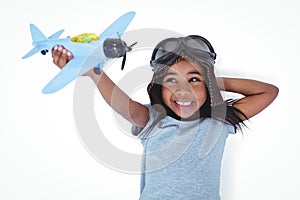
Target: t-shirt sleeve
(140,131)
(230,129)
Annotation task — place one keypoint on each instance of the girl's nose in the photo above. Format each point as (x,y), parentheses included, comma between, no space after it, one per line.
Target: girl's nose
(182,91)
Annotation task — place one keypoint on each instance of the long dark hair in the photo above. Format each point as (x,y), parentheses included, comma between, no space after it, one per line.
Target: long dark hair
(224,112)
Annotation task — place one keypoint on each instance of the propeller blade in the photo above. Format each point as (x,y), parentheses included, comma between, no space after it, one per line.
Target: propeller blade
(123,62)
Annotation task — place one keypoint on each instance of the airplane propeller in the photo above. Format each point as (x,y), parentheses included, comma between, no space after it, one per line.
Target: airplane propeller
(116,48)
(128,48)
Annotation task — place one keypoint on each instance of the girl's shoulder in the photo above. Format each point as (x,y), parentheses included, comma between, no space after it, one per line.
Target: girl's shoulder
(156,113)
(158,118)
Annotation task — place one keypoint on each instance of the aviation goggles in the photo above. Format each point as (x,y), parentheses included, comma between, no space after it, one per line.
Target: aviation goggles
(194,46)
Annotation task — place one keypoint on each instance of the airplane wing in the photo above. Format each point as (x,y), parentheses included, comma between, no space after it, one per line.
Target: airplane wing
(118,26)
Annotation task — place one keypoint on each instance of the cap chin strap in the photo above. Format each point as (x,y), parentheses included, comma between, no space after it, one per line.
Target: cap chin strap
(215,94)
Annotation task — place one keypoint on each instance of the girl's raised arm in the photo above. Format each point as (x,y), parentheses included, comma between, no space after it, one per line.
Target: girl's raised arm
(131,110)
(257,95)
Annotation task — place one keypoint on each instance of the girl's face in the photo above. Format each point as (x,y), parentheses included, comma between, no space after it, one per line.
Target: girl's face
(183,88)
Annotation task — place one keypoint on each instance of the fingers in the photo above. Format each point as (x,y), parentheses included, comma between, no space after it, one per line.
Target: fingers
(61,56)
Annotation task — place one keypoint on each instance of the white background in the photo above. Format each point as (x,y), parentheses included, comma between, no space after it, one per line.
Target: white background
(41,154)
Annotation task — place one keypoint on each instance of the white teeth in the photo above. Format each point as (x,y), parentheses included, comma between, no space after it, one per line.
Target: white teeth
(184,103)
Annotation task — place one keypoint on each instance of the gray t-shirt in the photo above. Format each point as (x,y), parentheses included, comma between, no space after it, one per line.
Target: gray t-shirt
(181,159)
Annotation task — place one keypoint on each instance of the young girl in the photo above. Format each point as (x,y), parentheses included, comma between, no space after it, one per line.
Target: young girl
(184,128)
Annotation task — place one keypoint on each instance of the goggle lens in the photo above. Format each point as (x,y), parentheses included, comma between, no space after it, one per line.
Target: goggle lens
(166,50)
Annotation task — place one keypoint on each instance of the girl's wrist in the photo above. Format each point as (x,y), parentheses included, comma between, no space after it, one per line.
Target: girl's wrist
(97,70)
(93,72)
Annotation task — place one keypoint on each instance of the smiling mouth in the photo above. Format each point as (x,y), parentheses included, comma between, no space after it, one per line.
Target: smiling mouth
(184,104)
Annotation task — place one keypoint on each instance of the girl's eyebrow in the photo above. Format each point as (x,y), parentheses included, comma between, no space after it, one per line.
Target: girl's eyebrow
(195,72)
(191,72)
(171,73)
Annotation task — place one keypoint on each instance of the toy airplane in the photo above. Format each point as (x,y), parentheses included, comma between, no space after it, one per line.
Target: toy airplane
(89,50)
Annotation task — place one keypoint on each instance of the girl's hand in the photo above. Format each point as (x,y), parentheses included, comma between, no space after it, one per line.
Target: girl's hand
(61,56)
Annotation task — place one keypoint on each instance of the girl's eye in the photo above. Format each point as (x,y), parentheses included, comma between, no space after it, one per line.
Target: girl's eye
(171,80)
(194,79)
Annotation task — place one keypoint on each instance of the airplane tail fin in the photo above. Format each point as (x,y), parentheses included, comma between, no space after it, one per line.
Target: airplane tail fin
(36,34)
(56,35)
